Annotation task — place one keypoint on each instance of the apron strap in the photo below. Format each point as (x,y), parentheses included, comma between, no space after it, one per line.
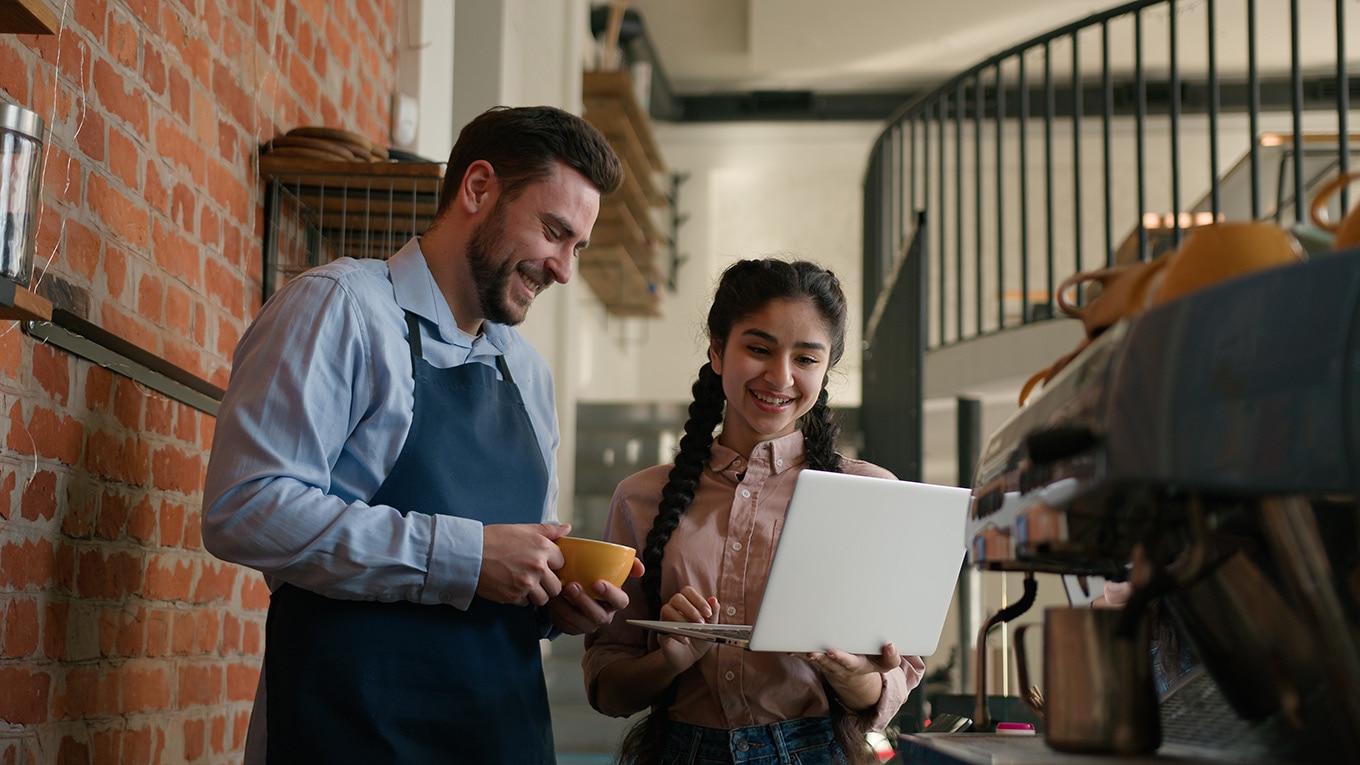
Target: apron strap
(413,339)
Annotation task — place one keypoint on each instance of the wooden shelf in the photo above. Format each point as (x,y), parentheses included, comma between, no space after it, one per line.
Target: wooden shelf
(18,304)
(616,280)
(27,17)
(620,264)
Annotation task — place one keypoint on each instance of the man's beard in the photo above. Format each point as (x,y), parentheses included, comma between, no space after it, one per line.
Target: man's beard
(493,278)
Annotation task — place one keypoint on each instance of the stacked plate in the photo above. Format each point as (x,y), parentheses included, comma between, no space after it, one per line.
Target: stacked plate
(333,144)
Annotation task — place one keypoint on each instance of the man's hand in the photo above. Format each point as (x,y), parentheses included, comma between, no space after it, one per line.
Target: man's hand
(575,612)
(518,563)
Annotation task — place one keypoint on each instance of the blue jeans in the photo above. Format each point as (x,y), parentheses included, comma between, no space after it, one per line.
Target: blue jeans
(804,741)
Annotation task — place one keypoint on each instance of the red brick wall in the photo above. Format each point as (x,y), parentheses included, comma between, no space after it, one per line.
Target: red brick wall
(121,640)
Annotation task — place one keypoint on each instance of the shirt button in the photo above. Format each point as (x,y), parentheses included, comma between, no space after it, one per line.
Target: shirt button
(746,493)
(779,463)
(730,675)
(445,597)
(736,546)
(730,611)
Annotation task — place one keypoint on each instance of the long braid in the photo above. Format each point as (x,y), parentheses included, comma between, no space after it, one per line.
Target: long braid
(820,433)
(642,742)
(705,412)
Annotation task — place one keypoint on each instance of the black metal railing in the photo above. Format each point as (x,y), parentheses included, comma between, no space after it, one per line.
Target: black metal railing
(1102,142)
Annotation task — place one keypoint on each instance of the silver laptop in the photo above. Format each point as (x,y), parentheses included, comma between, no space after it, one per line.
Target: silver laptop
(861,562)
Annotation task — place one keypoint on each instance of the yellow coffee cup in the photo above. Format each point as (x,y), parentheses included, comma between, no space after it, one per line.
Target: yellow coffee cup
(586,561)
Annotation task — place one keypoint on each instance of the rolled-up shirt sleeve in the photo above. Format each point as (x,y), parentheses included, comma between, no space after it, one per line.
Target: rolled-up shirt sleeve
(305,432)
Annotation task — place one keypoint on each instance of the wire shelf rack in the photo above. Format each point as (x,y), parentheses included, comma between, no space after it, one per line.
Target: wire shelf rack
(320,210)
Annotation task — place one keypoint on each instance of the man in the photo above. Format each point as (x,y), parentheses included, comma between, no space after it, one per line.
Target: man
(385,455)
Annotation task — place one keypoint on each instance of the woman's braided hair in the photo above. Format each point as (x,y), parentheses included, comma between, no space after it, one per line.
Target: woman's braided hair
(745,288)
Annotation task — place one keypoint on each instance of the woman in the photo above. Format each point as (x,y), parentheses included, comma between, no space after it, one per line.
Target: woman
(706,528)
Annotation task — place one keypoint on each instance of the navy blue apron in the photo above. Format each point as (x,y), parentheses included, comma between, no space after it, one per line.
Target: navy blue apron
(369,682)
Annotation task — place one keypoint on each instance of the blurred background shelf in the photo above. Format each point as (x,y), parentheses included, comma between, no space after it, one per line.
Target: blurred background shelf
(621,262)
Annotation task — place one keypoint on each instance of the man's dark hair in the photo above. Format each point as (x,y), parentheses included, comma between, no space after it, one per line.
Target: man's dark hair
(522,143)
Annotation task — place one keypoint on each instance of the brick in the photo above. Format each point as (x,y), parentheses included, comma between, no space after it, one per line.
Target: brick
(113,515)
(217,734)
(240,726)
(183,202)
(224,286)
(254,592)
(82,509)
(146,686)
(83,248)
(194,739)
(120,99)
(231,634)
(186,425)
(124,158)
(150,297)
(155,188)
(39,501)
(90,136)
(107,576)
(122,42)
(24,701)
(98,389)
(242,681)
(209,631)
(216,582)
(73,750)
(127,403)
(172,524)
(200,684)
(137,745)
(184,634)
(7,486)
(11,354)
(180,90)
(193,530)
(19,629)
(153,70)
(55,619)
(157,632)
(178,255)
(49,435)
(158,416)
(141,524)
(52,371)
(119,459)
(168,579)
(106,746)
(122,215)
(84,691)
(252,638)
(115,270)
(26,563)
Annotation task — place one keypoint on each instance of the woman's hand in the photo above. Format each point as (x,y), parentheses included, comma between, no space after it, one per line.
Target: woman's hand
(687,605)
(856,678)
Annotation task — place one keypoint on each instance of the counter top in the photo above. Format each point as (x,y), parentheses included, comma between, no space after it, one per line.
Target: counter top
(993,749)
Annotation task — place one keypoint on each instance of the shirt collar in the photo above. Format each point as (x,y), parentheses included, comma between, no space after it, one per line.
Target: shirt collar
(779,454)
(417,292)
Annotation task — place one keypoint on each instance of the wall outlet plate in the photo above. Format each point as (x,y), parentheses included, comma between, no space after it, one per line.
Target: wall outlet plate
(405,114)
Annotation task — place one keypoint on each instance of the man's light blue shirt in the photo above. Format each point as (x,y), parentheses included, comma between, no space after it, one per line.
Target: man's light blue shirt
(316,414)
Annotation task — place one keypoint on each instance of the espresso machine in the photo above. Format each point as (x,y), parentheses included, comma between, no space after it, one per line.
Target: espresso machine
(1207,451)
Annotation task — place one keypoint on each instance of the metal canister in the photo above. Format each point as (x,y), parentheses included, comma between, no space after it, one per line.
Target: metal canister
(21,143)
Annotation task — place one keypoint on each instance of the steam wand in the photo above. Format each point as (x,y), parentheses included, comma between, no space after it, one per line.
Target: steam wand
(982,719)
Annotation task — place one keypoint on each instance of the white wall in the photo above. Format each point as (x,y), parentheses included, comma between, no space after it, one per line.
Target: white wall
(753,189)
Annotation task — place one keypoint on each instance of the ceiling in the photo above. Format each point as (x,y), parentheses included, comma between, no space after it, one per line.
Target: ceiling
(862,59)
(708,47)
